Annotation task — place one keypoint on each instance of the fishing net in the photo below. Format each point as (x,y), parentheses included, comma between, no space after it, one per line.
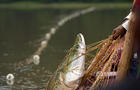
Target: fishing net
(112,62)
(102,68)
(101,59)
(55,82)
(107,61)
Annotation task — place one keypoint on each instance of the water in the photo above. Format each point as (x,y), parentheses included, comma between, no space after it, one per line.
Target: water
(22,30)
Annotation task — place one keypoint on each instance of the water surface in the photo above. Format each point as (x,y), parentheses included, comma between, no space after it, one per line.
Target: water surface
(21,32)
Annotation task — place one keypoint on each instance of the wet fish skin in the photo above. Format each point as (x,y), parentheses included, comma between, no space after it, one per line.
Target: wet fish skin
(70,76)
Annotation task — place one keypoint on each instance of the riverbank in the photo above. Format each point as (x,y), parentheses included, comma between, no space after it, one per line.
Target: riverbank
(36,5)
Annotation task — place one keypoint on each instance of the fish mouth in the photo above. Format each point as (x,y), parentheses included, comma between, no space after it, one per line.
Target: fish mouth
(80,39)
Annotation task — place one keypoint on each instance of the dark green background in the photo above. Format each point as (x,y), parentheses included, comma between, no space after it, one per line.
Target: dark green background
(5,1)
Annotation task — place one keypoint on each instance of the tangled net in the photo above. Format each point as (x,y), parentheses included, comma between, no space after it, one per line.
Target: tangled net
(107,61)
(102,59)
(103,68)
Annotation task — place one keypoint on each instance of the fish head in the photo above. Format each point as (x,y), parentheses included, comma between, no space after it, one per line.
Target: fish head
(75,69)
(79,44)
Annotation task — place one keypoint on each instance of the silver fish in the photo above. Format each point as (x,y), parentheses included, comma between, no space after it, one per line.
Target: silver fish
(74,70)
(69,73)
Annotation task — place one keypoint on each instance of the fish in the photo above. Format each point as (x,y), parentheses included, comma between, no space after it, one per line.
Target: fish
(74,70)
(70,72)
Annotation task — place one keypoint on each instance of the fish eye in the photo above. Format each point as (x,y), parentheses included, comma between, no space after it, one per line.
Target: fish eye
(76,46)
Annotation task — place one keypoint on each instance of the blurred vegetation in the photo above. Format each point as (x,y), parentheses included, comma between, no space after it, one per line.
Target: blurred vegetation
(51,1)
(66,5)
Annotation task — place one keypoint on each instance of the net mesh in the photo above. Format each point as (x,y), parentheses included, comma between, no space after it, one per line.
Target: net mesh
(102,59)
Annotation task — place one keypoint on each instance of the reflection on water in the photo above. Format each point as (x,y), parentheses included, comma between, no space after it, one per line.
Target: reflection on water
(20,34)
